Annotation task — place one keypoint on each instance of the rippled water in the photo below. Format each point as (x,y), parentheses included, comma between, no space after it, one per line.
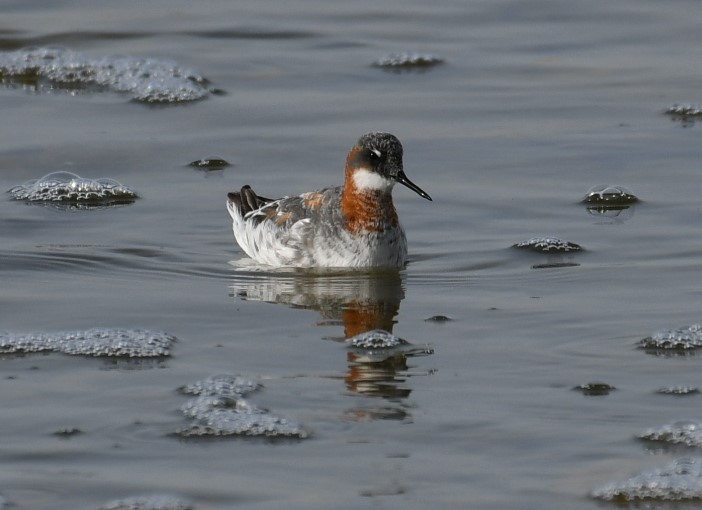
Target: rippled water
(530,108)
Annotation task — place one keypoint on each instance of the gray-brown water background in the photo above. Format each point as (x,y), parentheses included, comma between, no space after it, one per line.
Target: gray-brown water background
(536,102)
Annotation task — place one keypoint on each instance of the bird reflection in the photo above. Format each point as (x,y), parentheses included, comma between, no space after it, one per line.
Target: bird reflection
(358,302)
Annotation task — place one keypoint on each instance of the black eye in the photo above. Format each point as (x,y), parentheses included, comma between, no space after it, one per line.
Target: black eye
(375,155)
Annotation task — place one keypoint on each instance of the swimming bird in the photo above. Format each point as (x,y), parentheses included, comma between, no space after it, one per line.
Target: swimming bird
(352,226)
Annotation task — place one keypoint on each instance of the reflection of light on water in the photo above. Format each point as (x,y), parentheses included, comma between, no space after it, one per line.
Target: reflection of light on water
(612,214)
(556,261)
(360,302)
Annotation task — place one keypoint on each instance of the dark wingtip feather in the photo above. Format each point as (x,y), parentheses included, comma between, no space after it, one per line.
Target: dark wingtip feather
(235,198)
(247,200)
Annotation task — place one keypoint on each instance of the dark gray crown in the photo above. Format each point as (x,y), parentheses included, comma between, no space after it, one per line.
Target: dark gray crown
(384,142)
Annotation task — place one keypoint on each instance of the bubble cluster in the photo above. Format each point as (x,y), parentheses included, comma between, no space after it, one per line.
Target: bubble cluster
(220,410)
(152,502)
(221,385)
(376,339)
(595,389)
(408,60)
(210,164)
(680,480)
(112,342)
(681,339)
(685,109)
(548,245)
(686,433)
(438,318)
(609,195)
(678,390)
(64,188)
(47,69)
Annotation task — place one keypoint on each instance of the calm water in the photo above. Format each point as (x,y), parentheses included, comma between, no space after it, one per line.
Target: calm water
(536,102)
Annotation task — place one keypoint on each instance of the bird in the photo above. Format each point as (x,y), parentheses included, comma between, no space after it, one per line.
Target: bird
(350,226)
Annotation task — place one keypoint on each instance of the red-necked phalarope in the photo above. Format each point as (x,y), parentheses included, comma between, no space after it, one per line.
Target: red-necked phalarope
(354,225)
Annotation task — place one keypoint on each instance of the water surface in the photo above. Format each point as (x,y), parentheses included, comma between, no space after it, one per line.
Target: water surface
(533,104)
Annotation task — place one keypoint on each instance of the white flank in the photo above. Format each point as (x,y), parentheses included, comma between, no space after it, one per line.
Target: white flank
(301,245)
(365,179)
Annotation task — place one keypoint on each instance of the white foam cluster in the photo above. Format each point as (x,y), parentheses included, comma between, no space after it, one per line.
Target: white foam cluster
(114,342)
(548,245)
(681,339)
(686,109)
(408,60)
(67,187)
(220,410)
(678,481)
(221,385)
(678,390)
(145,79)
(376,339)
(226,417)
(609,194)
(151,502)
(686,433)
(595,389)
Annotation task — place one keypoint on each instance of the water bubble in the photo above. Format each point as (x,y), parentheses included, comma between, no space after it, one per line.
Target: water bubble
(610,195)
(684,109)
(151,502)
(220,410)
(72,191)
(438,318)
(548,245)
(221,385)
(595,389)
(132,343)
(376,339)
(686,338)
(678,390)
(408,60)
(678,481)
(210,164)
(48,69)
(688,433)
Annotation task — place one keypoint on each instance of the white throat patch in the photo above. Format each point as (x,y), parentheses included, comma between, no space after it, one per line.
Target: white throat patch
(365,179)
